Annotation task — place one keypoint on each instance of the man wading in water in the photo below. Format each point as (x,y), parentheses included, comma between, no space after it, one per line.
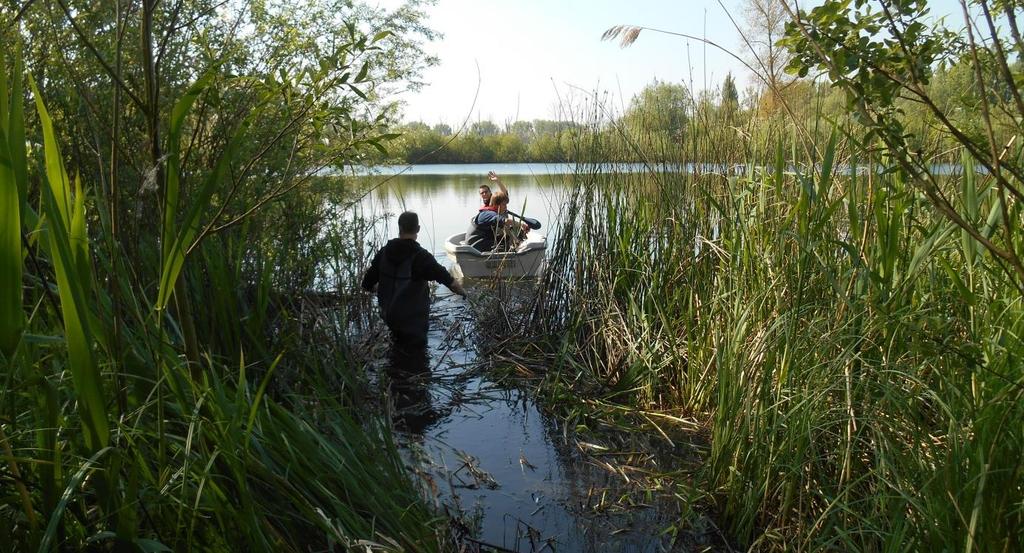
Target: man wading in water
(400,271)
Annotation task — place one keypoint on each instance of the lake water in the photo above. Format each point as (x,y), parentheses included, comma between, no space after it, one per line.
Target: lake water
(514,475)
(446,202)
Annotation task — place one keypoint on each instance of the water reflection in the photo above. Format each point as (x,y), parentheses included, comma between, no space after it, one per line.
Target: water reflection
(445,203)
(513,474)
(408,370)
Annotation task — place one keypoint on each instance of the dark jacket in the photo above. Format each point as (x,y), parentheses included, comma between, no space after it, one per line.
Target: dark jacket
(482,227)
(400,270)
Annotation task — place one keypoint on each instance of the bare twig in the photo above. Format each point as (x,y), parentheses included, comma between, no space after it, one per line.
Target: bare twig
(106,66)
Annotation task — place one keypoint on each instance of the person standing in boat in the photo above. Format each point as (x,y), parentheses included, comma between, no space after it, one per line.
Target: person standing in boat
(400,272)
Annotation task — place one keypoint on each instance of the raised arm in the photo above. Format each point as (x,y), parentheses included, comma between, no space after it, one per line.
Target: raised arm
(494,177)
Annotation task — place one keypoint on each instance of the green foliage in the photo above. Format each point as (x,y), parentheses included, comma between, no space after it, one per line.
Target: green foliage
(660,108)
(174,377)
(867,63)
(880,56)
(12,199)
(68,243)
(842,311)
(177,241)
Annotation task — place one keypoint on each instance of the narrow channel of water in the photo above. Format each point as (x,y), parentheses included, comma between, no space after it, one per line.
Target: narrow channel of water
(513,475)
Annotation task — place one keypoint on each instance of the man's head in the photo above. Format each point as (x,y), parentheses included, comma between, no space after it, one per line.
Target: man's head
(485,194)
(408,225)
(500,200)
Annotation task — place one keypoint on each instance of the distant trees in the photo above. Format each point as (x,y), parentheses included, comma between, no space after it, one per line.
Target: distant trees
(730,96)
(417,127)
(484,142)
(509,147)
(764,24)
(522,129)
(659,108)
(660,115)
(664,117)
(484,128)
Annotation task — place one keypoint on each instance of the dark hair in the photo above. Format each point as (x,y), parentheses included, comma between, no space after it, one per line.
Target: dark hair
(485,186)
(408,223)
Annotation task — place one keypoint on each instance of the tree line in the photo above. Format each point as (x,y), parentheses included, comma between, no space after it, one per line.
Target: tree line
(485,142)
(669,121)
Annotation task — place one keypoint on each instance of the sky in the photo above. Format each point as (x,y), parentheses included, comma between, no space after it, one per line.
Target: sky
(508,60)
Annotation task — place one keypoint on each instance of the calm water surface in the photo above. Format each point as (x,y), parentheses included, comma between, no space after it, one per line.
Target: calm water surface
(445,202)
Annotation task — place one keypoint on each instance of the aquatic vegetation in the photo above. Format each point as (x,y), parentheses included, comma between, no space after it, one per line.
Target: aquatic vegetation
(852,355)
(849,345)
(174,363)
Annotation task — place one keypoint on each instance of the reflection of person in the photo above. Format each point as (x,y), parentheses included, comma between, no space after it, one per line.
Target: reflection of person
(400,271)
(491,228)
(409,373)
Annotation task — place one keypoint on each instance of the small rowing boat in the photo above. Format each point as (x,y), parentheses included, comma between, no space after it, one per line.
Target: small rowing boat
(526,261)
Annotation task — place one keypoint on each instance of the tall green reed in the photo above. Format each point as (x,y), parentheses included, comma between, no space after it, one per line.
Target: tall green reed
(128,443)
(68,241)
(851,351)
(12,197)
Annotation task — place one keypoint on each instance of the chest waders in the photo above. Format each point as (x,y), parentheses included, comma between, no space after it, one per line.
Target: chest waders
(404,302)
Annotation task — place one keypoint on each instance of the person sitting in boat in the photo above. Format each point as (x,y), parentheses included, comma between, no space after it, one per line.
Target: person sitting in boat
(527,222)
(492,229)
(485,194)
(485,190)
(400,271)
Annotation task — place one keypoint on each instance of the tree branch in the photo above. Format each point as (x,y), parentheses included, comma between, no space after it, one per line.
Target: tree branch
(106,66)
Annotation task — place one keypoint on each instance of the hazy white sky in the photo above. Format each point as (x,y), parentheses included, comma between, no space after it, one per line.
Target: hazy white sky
(528,57)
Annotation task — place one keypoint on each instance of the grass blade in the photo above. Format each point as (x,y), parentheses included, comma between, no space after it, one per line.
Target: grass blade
(69,249)
(11,314)
(47,542)
(12,318)
(174,257)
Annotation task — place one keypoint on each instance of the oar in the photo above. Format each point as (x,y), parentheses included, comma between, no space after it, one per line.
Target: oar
(530,221)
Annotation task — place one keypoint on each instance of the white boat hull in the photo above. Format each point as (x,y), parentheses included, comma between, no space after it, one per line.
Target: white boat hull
(526,261)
